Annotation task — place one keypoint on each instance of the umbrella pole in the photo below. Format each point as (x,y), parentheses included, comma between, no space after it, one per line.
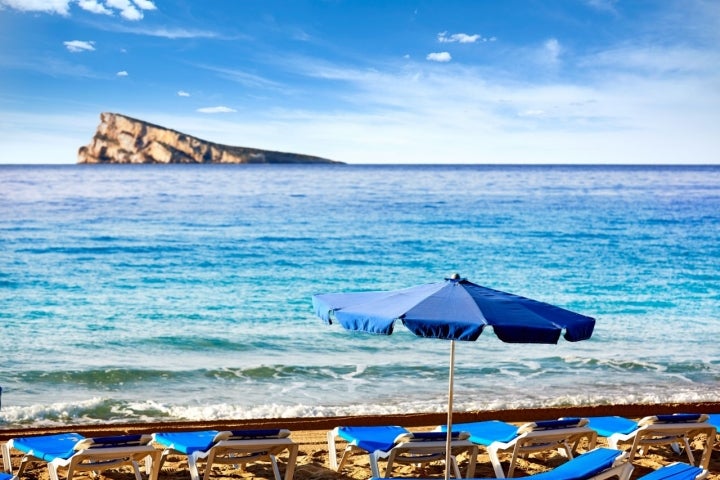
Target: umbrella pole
(448,439)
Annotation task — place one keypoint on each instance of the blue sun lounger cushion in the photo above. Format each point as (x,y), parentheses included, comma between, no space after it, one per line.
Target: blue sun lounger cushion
(397,444)
(232,447)
(498,437)
(597,464)
(676,471)
(714,420)
(74,452)
(6,476)
(676,430)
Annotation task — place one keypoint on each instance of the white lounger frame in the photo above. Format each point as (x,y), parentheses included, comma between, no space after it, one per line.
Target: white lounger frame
(531,440)
(89,458)
(406,451)
(651,432)
(241,452)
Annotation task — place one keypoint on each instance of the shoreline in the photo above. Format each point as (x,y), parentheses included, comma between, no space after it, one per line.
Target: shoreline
(410,420)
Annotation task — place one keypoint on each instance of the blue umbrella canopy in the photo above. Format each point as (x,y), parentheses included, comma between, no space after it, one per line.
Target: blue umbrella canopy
(455,309)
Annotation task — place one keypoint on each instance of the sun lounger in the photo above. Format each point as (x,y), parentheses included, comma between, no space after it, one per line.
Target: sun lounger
(676,430)
(6,476)
(714,420)
(604,463)
(597,464)
(236,447)
(497,437)
(74,453)
(398,445)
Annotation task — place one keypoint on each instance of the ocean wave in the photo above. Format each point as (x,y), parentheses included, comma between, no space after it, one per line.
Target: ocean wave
(107,410)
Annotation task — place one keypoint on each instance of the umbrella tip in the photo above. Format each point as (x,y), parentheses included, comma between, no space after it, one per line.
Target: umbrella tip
(455,276)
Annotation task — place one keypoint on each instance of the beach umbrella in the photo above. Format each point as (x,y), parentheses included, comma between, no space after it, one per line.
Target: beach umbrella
(454,309)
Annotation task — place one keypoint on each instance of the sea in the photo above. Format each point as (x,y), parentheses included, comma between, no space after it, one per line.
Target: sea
(133,293)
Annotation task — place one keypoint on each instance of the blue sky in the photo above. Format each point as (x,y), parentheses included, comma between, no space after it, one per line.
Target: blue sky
(370,81)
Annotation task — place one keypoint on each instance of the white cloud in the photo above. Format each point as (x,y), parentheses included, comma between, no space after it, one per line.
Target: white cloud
(653,59)
(48,6)
(439,57)
(218,109)
(130,10)
(127,9)
(552,49)
(122,73)
(145,4)
(79,46)
(458,38)
(94,7)
(183,93)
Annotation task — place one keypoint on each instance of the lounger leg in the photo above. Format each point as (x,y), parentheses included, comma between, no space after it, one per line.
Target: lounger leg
(374,467)
(454,465)
(276,470)
(495,460)
(23,463)
(7,464)
(472,461)
(332,453)
(53,470)
(346,454)
(511,467)
(193,467)
(161,460)
(153,463)
(292,459)
(136,469)
(688,450)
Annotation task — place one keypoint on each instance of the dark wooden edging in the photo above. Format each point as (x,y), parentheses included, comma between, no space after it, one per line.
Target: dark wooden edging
(407,420)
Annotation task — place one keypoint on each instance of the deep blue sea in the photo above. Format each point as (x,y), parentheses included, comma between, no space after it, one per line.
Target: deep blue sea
(132,293)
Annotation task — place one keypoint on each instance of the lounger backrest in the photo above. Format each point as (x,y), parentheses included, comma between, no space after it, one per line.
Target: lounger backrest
(674,418)
(257,434)
(552,424)
(586,465)
(429,437)
(675,471)
(116,441)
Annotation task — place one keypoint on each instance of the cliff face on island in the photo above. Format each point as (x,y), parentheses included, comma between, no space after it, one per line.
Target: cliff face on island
(121,139)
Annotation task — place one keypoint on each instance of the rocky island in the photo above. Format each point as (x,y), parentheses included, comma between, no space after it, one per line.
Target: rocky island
(121,139)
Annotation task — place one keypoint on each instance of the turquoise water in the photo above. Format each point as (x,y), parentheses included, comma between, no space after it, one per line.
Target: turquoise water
(132,293)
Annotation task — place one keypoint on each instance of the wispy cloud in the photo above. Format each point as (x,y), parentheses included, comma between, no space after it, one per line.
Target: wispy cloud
(603,5)
(183,93)
(553,50)
(443,37)
(243,78)
(163,32)
(79,46)
(218,109)
(122,73)
(439,57)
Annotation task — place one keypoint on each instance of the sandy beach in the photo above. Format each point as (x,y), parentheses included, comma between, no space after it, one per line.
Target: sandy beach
(310,435)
